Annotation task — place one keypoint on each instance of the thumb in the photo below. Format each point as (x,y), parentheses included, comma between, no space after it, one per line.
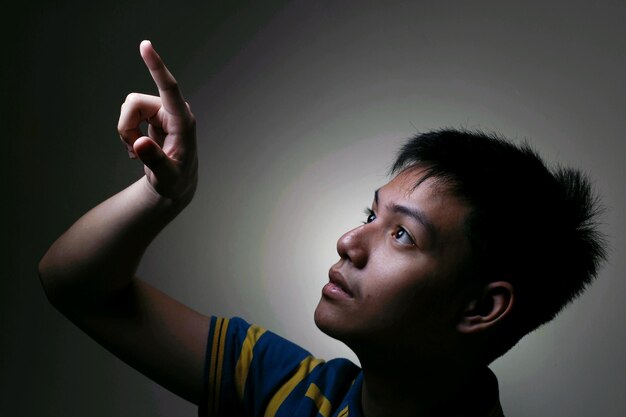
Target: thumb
(151,154)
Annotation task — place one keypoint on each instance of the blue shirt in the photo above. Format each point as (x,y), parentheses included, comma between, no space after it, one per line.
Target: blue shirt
(250,371)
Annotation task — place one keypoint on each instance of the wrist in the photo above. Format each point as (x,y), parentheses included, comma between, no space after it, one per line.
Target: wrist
(157,200)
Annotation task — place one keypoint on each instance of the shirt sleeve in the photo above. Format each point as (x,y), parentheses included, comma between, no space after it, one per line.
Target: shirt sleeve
(248,369)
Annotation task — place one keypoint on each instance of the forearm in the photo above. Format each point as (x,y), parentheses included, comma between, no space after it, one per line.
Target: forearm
(101,251)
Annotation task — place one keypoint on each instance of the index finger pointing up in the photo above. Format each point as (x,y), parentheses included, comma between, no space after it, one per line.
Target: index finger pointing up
(169,91)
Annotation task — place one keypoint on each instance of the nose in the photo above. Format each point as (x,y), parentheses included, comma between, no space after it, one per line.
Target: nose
(354,246)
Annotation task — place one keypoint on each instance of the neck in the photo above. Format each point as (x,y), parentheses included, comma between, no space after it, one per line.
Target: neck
(403,386)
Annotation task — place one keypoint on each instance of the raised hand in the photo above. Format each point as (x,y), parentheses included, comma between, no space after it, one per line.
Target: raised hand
(89,272)
(168,151)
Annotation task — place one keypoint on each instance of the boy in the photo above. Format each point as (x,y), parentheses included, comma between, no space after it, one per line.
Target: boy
(471,245)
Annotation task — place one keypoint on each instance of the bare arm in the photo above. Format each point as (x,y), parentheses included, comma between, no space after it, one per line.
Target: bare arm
(89,272)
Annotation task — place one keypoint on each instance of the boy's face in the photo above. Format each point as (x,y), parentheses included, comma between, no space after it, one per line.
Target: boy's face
(397,277)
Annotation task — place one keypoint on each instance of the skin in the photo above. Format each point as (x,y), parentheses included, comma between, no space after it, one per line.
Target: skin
(396,285)
(403,298)
(397,270)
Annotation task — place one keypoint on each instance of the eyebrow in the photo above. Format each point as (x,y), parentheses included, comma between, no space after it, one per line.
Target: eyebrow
(415,213)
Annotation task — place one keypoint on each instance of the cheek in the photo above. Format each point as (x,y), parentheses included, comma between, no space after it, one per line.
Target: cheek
(396,288)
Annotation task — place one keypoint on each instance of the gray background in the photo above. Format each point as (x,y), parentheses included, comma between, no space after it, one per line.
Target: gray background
(300,107)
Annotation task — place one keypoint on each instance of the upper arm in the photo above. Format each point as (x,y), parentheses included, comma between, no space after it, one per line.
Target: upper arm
(152,332)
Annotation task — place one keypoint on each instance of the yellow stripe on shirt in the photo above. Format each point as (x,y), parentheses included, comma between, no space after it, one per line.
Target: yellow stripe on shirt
(245,358)
(344,412)
(306,366)
(215,368)
(220,361)
(321,402)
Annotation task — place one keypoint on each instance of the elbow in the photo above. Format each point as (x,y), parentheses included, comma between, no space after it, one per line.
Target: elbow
(46,278)
(53,281)
(67,284)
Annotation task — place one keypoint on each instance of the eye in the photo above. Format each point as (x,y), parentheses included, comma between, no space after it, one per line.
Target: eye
(403,236)
(371,216)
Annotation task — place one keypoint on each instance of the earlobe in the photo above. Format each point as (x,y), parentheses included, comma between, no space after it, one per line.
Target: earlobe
(495,303)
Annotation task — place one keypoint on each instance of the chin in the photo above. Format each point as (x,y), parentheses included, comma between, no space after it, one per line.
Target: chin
(327,321)
(319,317)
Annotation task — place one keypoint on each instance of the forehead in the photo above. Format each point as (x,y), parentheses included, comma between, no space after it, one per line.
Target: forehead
(414,178)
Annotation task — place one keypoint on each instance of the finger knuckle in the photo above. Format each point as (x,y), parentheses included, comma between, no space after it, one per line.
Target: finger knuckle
(121,123)
(123,137)
(171,84)
(132,98)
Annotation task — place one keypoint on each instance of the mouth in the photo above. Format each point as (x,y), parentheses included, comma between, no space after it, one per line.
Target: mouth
(337,286)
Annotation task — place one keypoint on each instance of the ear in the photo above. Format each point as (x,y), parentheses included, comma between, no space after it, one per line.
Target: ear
(493,303)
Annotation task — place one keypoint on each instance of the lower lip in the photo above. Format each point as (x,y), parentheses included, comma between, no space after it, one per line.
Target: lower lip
(333,291)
